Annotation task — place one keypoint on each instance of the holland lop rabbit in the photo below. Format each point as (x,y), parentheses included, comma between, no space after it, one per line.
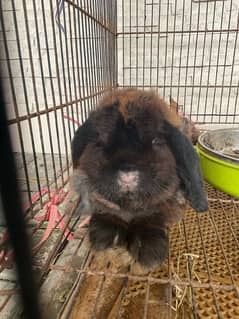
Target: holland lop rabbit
(132,152)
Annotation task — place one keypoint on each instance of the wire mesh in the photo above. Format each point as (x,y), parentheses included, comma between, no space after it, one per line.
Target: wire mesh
(184,49)
(57,59)
(54,72)
(198,280)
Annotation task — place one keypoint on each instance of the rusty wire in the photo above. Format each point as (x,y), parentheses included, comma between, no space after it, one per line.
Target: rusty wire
(104,45)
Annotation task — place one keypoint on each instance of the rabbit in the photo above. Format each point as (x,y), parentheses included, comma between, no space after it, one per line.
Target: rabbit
(186,126)
(131,152)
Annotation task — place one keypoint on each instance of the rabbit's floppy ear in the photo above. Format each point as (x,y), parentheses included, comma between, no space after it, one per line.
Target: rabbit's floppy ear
(99,126)
(83,136)
(188,167)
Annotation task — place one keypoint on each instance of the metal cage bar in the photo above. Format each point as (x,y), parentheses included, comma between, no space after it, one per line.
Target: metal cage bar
(58,58)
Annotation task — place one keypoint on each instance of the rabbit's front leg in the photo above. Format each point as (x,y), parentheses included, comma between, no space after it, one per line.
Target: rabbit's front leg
(103,233)
(148,244)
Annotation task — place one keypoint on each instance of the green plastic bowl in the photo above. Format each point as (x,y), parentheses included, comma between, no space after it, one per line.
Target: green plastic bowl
(219,166)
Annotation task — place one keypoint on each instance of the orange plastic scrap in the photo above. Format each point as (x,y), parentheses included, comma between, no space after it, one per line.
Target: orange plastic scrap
(54,217)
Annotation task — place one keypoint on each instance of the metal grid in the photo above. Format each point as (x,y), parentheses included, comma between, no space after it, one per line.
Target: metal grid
(186,49)
(57,59)
(200,278)
(52,71)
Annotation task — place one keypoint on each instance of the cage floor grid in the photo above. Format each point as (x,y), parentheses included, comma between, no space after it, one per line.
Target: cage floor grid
(200,278)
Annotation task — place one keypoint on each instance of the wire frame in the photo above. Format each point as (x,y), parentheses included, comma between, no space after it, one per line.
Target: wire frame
(58,57)
(184,49)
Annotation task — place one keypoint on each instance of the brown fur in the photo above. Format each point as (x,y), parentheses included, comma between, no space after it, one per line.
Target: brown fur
(141,98)
(185,125)
(135,128)
(170,112)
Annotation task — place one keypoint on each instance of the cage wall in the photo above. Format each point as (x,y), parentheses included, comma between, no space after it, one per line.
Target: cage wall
(59,56)
(57,59)
(186,49)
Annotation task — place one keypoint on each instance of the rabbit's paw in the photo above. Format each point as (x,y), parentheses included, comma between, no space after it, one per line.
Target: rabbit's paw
(103,234)
(149,247)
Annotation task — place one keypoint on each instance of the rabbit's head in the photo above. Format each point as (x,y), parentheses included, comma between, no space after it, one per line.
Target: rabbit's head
(130,150)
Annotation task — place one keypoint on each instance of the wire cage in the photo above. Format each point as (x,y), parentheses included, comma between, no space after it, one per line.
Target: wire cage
(58,58)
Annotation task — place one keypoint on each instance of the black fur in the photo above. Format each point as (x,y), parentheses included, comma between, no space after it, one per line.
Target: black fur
(103,233)
(188,167)
(147,243)
(83,136)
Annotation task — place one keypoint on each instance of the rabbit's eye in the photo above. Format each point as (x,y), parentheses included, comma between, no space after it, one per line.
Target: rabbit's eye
(157,141)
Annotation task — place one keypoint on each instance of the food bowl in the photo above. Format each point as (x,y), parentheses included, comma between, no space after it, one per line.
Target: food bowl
(219,157)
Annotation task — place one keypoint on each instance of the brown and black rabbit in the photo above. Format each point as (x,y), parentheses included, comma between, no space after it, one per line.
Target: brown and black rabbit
(132,153)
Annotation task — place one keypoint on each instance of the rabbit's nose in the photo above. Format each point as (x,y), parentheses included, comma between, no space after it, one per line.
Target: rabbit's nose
(128,181)
(128,177)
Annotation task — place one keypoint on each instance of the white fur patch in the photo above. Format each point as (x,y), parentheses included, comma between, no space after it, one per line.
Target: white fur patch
(128,181)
